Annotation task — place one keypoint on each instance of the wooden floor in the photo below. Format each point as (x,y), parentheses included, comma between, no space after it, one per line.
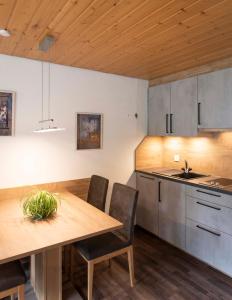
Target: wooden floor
(162,272)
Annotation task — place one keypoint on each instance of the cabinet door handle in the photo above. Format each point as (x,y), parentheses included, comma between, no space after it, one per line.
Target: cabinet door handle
(167,123)
(207,205)
(206,229)
(159,191)
(171,125)
(147,177)
(199,113)
(211,194)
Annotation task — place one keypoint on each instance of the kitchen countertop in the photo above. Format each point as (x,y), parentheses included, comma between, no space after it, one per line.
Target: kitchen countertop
(167,173)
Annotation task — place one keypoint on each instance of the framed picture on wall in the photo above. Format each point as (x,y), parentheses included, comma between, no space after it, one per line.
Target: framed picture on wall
(89,131)
(7,113)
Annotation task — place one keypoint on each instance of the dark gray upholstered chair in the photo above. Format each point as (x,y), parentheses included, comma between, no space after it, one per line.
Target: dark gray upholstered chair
(97,192)
(12,280)
(97,197)
(108,245)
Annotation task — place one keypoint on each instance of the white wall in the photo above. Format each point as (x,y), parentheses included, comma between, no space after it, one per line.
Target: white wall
(29,158)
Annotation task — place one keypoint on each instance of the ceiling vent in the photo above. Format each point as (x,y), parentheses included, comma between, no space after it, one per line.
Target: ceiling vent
(46,43)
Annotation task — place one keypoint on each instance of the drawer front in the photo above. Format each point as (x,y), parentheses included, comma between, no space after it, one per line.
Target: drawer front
(210,214)
(200,243)
(209,245)
(210,196)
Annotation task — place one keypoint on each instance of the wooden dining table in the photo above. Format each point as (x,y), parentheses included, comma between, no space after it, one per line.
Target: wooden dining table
(43,240)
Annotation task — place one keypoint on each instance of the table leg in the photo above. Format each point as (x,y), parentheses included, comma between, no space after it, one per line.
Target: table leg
(46,274)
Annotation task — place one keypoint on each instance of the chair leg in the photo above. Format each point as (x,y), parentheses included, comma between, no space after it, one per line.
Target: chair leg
(131,265)
(90,279)
(67,260)
(72,263)
(21,292)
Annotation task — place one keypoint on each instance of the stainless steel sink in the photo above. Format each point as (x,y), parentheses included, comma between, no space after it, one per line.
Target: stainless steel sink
(190,175)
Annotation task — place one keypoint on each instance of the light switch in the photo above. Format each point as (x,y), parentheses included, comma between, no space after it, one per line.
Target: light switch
(176,157)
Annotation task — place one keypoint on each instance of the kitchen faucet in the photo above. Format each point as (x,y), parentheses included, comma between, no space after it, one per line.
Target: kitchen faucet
(186,169)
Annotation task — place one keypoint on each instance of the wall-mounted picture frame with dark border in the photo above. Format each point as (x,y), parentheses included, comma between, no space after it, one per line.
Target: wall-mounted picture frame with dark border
(7,113)
(89,131)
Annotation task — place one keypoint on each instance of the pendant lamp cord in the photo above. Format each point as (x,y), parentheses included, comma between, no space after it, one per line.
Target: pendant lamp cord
(49,91)
(42,83)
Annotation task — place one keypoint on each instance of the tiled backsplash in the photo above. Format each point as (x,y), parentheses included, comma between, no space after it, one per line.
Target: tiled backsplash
(209,153)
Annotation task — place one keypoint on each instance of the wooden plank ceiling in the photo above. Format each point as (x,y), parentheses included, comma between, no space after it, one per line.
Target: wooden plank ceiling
(147,39)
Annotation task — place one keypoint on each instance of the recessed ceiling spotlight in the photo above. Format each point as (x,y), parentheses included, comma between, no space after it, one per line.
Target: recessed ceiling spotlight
(4,32)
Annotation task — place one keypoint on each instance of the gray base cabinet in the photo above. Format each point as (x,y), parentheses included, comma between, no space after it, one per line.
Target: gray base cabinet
(172,213)
(147,207)
(212,214)
(209,227)
(199,242)
(191,218)
(209,245)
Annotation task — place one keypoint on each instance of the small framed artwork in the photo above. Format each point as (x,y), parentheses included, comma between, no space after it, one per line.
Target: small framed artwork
(89,131)
(7,115)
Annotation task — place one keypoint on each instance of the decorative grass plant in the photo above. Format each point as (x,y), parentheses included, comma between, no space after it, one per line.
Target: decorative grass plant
(40,205)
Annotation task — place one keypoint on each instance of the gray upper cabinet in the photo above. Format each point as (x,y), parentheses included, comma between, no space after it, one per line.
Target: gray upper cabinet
(172,108)
(147,207)
(159,110)
(215,99)
(184,107)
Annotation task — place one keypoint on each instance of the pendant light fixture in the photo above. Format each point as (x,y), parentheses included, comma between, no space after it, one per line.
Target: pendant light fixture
(47,125)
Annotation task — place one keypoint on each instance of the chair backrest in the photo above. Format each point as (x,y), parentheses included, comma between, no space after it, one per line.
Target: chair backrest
(123,207)
(97,191)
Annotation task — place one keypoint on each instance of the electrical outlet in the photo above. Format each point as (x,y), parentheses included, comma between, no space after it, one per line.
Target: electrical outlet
(176,157)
